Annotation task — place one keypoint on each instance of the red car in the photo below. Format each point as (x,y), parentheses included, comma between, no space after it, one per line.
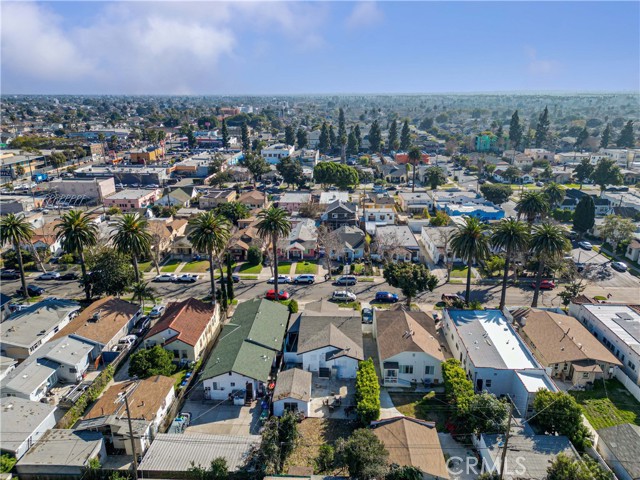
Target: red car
(544,285)
(283,295)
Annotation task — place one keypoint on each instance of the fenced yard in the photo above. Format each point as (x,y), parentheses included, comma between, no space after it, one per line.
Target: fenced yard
(432,407)
(606,406)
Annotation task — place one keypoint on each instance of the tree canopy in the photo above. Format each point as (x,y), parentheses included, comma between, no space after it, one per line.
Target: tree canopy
(496,193)
(584,216)
(338,174)
(410,278)
(148,362)
(111,272)
(606,173)
(291,171)
(559,413)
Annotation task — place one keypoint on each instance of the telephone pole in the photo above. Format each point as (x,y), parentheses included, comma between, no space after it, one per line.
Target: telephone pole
(133,443)
(503,458)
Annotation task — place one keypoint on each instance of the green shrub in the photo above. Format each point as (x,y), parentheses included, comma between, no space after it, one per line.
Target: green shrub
(7,462)
(325,458)
(367,393)
(293,306)
(254,256)
(66,259)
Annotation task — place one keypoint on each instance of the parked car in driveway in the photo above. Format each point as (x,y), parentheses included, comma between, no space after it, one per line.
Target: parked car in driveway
(367,315)
(619,266)
(33,290)
(282,295)
(49,276)
(545,285)
(343,296)
(388,297)
(586,245)
(306,278)
(156,311)
(166,277)
(281,279)
(188,278)
(346,280)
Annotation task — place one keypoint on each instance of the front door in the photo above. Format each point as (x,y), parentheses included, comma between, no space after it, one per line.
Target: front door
(479,385)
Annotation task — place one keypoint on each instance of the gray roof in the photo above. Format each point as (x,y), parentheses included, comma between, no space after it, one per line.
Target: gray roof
(350,236)
(401,233)
(347,206)
(118,425)
(63,447)
(19,419)
(326,308)
(26,327)
(67,351)
(535,453)
(294,383)
(174,452)
(624,442)
(342,333)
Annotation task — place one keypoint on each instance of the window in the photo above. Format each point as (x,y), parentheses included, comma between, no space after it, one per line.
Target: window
(487,383)
(391,373)
(585,375)
(407,369)
(290,407)
(73,370)
(429,370)
(233,384)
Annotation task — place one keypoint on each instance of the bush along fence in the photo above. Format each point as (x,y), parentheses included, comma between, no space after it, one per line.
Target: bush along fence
(367,393)
(90,395)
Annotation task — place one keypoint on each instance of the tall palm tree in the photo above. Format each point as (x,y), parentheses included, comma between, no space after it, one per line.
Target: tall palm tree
(210,233)
(414,156)
(530,205)
(554,194)
(470,243)
(133,238)
(142,291)
(512,236)
(548,242)
(274,225)
(16,230)
(76,232)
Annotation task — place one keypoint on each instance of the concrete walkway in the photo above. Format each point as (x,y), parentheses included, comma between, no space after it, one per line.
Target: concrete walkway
(387,408)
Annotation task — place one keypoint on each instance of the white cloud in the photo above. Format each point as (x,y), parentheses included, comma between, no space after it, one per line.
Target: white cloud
(539,66)
(364,14)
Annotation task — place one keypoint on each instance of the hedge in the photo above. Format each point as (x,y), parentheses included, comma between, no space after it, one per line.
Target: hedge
(90,395)
(367,393)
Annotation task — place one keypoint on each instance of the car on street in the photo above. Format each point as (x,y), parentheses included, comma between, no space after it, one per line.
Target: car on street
(282,295)
(580,266)
(33,290)
(188,278)
(281,279)
(49,276)
(9,275)
(346,280)
(619,266)
(306,278)
(367,315)
(156,311)
(68,276)
(234,277)
(585,245)
(166,277)
(545,284)
(343,296)
(388,297)
(539,184)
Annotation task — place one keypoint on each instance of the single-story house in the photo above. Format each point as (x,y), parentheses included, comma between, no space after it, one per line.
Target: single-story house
(253,199)
(353,240)
(292,201)
(302,241)
(175,198)
(620,447)
(485,212)
(395,242)
(22,423)
(633,250)
(292,392)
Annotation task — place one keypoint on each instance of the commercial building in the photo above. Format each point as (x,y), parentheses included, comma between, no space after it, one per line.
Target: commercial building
(128,174)
(277,152)
(131,199)
(146,155)
(95,189)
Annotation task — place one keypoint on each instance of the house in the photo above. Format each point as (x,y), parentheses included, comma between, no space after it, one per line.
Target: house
(186,329)
(633,250)
(292,201)
(527,457)
(66,453)
(212,198)
(603,206)
(408,348)
(339,214)
(252,339)
(132,198)
(242,240)
(395,242)
(620,447)
(172,454)
(253,199)
(495,358)
(7,365)
(164,231)
(437,242)
(329,197)
(329,345)
(565,347)
(22,423)
(26,331)
(45,238)
(302,241)
(618,328)
(442,198)
(380,216)
(353,240)
(413,442)
(292,392)
(486,212)
(415,202)
(306,156)
(394,173)
(102,324)
(276,152)
(176,198)
(115,430)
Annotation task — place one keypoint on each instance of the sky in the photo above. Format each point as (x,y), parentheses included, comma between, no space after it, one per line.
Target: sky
(220,48)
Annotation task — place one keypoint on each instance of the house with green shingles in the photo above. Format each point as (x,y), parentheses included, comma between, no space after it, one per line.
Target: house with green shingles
(246,350)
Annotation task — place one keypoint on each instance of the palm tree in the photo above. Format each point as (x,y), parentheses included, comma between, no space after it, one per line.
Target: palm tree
(16,230)
(512,236)
(141,291)
(554,194)
(272,226)
(414,156)
(548,242)
(530,205)
(76,232)
(209,233)
(471,244)
(132,237)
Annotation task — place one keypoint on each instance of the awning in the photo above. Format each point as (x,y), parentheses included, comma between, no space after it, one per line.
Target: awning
(391,365)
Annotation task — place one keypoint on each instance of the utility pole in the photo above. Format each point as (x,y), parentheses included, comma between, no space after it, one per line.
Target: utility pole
(133,443)
(503,459)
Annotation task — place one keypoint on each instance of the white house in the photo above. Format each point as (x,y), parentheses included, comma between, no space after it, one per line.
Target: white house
(22,423)
(408,348)
(292,392)
(437,242)
(276,152)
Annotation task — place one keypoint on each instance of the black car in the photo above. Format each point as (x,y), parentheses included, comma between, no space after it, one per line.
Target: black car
(9,275)
(234,277)
(68,276)
(33,290)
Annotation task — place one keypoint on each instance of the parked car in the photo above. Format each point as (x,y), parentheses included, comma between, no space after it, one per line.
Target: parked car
(188,278)
(17,307)
(33,290)
(619,266)
(9,275)
(545,285)
(166,277)
(49,276)
(346,280)
(343,296)
(367,315)
(539,184)
(156,311)
(580,266)
(586,245)
(142,325)
(306,278)
(68,276)
(281,279)
(282,295)
(127,340)
(389,297)
(234,277)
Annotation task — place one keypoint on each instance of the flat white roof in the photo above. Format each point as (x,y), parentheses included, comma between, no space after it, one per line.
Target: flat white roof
(131,193)
(534,381)
(622,320)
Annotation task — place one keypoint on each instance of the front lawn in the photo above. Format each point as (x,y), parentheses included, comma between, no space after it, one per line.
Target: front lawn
(306,268)
(432,407)
(606,407)
(284,268)
(145,266)
(459,272)
(358,268)
(248,268)
(196,267)
(170,266)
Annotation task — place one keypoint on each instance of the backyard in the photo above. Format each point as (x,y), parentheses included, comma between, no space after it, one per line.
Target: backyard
(306,267)
(431,407)
(606,406)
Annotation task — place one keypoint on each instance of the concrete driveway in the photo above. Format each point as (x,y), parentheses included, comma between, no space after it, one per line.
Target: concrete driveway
(217,418)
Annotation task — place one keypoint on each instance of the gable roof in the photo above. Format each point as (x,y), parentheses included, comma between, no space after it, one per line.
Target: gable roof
(293,383)
(250,341)
(561,338)
(352,237)
(189,318)
(252,196)
(624,442)
(179,195)
(412,442)
(346,206)
(342,333)
(400,331)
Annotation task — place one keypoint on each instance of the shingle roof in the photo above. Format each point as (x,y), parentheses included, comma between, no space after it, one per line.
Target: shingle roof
(351,236)
(624,442)
(342,333)
(189,318)
(249,342)
(294,383)
(400,331)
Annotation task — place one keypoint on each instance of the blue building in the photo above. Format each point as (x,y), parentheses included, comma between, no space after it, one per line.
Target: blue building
(484,212)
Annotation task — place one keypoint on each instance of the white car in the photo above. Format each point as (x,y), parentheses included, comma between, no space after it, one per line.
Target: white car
(619,266)
(188,278)
(343,296)
(157,310)
(166,277)
(281,279)
(586,245)
(49,276)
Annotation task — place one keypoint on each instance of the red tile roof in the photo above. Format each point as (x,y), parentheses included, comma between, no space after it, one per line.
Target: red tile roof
(189,317)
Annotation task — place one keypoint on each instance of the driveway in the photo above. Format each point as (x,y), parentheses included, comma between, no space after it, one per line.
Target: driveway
(458,457)
(387,408)
(218,418)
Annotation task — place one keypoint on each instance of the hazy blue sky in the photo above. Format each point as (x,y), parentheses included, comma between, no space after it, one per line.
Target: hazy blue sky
(318,47)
